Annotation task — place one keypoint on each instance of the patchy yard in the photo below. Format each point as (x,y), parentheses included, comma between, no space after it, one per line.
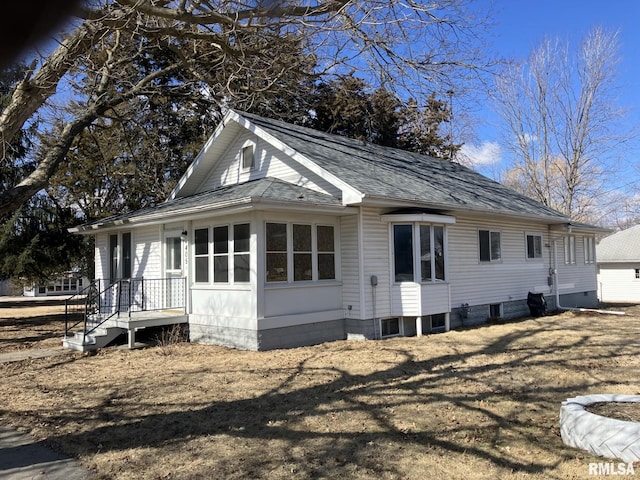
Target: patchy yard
(476,403)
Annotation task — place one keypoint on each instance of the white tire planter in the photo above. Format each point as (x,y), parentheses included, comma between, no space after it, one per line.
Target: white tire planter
(603,436)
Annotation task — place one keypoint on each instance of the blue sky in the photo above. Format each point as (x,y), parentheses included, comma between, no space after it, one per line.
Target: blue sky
(520,25)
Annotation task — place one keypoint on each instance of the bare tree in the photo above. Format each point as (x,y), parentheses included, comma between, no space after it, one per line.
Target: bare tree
(226,50)
(563,125)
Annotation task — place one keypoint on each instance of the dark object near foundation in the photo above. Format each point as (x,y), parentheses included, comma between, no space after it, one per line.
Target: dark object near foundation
(537,304)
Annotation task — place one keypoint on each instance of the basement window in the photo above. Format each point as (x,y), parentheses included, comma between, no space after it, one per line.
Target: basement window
(495,310)
(390,327)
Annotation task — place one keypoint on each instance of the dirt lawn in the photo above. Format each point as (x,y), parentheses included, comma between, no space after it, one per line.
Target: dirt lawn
(479,403)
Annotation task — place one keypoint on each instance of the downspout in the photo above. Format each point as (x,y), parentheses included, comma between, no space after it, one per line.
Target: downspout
(556,282)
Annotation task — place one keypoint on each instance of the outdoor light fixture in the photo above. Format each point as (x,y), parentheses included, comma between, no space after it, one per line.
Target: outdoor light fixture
(183,235)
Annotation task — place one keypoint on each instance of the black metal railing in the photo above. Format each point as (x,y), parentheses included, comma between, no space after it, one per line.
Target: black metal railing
(93,307)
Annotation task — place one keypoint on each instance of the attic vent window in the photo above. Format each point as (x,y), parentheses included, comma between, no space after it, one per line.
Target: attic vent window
(247,157)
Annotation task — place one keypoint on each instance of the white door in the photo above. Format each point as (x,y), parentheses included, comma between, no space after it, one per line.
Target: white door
(174,272)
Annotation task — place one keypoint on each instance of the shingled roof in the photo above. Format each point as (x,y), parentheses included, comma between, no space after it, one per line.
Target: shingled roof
(392,174)
(380,174)
(620,247)
(253,192)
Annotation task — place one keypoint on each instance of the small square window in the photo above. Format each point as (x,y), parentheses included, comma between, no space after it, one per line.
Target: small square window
(495,310)
(637,272)
(390,327)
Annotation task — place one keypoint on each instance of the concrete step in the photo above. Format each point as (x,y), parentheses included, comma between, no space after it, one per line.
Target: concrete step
(101,337)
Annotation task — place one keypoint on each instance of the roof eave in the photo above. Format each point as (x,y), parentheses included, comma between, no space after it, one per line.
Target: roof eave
(380,201)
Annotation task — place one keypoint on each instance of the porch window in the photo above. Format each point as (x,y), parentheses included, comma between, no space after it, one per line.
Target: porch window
(589,250)
(310,249)
(221,254)
(302,254)
(489,245)
(276,252)
(534,246)
(570,250)
(429,247)
(201,251)
(241,256)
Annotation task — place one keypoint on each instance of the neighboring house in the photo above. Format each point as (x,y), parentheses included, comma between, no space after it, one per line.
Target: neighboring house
(68,283)
(619,267)
(283,236)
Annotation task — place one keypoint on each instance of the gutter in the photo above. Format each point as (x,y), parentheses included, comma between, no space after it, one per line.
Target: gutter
(556,282)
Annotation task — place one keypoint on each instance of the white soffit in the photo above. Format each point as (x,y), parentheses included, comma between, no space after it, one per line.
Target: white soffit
(417,217)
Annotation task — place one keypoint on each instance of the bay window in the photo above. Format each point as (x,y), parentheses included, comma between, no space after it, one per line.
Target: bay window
(421,241)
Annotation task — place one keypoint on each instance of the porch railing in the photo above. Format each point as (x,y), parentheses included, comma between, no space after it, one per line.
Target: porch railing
(93,307)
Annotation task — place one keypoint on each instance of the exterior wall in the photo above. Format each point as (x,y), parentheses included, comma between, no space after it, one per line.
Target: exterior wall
(223,313)
(577,282)
(509,279)
(350,266)
(301,335)
(617,283)
(147,252)
(472,287)
(260,315)
(101,255)
(269,162)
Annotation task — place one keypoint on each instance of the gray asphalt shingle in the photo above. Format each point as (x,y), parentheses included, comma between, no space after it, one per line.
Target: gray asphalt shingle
(623,246)
(399,175)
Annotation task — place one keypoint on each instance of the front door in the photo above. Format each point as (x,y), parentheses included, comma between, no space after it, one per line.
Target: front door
(174,271)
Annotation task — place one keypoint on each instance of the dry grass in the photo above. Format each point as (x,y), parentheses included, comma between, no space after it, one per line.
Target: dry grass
(477,403)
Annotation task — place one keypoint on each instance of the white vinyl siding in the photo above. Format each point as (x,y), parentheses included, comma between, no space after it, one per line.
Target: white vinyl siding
(350,266)
(147,248)
(619,283)
(378,262)
(268,162)
(482,283)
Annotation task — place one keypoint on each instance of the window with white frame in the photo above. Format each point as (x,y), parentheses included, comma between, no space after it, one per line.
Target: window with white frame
(248,153)
(570,250)
(589,250)
(201,254)
(120,256)
(241,256)
(534,246)
(637,272)
(221,254)
(489,245)
(428,247)
(229,250)
(309,249)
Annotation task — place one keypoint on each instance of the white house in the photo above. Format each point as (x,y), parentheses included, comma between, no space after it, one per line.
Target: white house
(68,283)
(619,267)
(282,236)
